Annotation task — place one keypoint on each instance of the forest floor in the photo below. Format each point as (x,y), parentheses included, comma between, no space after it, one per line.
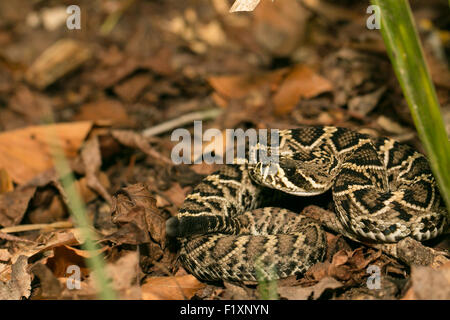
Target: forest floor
(114,91)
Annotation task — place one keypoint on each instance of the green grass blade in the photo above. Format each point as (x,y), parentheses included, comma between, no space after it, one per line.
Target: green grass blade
(78,212)
(406,55)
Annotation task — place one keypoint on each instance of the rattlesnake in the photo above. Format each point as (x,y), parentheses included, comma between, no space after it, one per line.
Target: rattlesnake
(383,191)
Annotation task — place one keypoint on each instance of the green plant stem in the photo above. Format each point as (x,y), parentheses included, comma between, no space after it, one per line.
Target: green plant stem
(406,55)
(78,212)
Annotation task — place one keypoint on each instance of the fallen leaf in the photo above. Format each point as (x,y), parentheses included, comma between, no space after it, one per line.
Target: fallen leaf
(301,82)
(124,274)
(13,205)
(235,292)
(59,59)
(280,27)
(104,111)
(92,160)
(361,105)
(50,287)
(30,104)
(6,183)
(171,288)
(239,86)
(134,209)
(130,89)
(5,256)
(113,71)
(65,256)
(134,140)
(20,284)
(47,206)
(52,240)
(24,153)
(429,284)
(314,292)
(392,126)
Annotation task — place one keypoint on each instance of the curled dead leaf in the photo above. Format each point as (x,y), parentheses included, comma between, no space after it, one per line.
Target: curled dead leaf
(300,82)
(20,284)
(429,284)
(135,209)
(314,292)
(171,288)
(239,86)
(14,204)
(25,153)
(65,256)
(56,61)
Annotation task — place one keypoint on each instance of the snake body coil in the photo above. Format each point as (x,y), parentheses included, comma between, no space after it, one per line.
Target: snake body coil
(383,191)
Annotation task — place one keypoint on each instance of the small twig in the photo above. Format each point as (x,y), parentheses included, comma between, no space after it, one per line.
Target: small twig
(9,237)
(189,117)
(30,227)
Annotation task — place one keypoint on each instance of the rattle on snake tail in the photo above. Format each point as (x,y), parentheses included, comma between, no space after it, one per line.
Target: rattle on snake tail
(383,191)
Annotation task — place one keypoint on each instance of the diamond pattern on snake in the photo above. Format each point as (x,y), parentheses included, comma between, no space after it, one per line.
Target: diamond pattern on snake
(383,191)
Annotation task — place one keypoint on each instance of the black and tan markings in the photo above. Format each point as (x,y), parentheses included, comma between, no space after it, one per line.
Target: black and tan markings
(383,191)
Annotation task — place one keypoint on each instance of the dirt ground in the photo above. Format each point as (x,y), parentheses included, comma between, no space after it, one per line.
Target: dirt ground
(114,90)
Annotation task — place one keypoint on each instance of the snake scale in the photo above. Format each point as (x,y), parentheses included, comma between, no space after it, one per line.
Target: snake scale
(383,191)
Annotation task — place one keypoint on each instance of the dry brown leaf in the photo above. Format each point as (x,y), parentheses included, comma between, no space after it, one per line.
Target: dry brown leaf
(33,106)
(50,287)
(24,153)
(20,284)
(160,62)
(280,26)
(176,194)
(171,288)
(239,86)
(361,105)
(429,284)
(347,266)
(134,140)
(56,61)
(113,71)
(104,111)
(304,293)
(48,206)
(4,255)
(332,11)
(92,160)
(6,183)
(55,239)
(65,256)
(301,82)
(125,275)
(340,258)
(14,204)
(134,211)
(130,89)
(235,292)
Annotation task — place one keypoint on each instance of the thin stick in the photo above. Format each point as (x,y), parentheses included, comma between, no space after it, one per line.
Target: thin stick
(9,237)
(177,122)
(38,226)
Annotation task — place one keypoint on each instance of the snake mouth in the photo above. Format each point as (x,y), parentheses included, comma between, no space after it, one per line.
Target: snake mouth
(286,179)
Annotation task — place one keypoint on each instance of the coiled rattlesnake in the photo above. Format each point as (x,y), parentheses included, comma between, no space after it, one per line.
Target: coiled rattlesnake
(383,191)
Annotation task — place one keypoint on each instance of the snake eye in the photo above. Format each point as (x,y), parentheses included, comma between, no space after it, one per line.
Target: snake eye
(289,167)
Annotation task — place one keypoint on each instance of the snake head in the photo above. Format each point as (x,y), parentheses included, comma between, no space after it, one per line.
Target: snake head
(291,176)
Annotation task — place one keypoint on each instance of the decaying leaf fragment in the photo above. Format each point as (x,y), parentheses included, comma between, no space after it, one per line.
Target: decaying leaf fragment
(56,61)
(20,284)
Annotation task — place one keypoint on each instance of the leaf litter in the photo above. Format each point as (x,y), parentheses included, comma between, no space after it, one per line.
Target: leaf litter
(276,67)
